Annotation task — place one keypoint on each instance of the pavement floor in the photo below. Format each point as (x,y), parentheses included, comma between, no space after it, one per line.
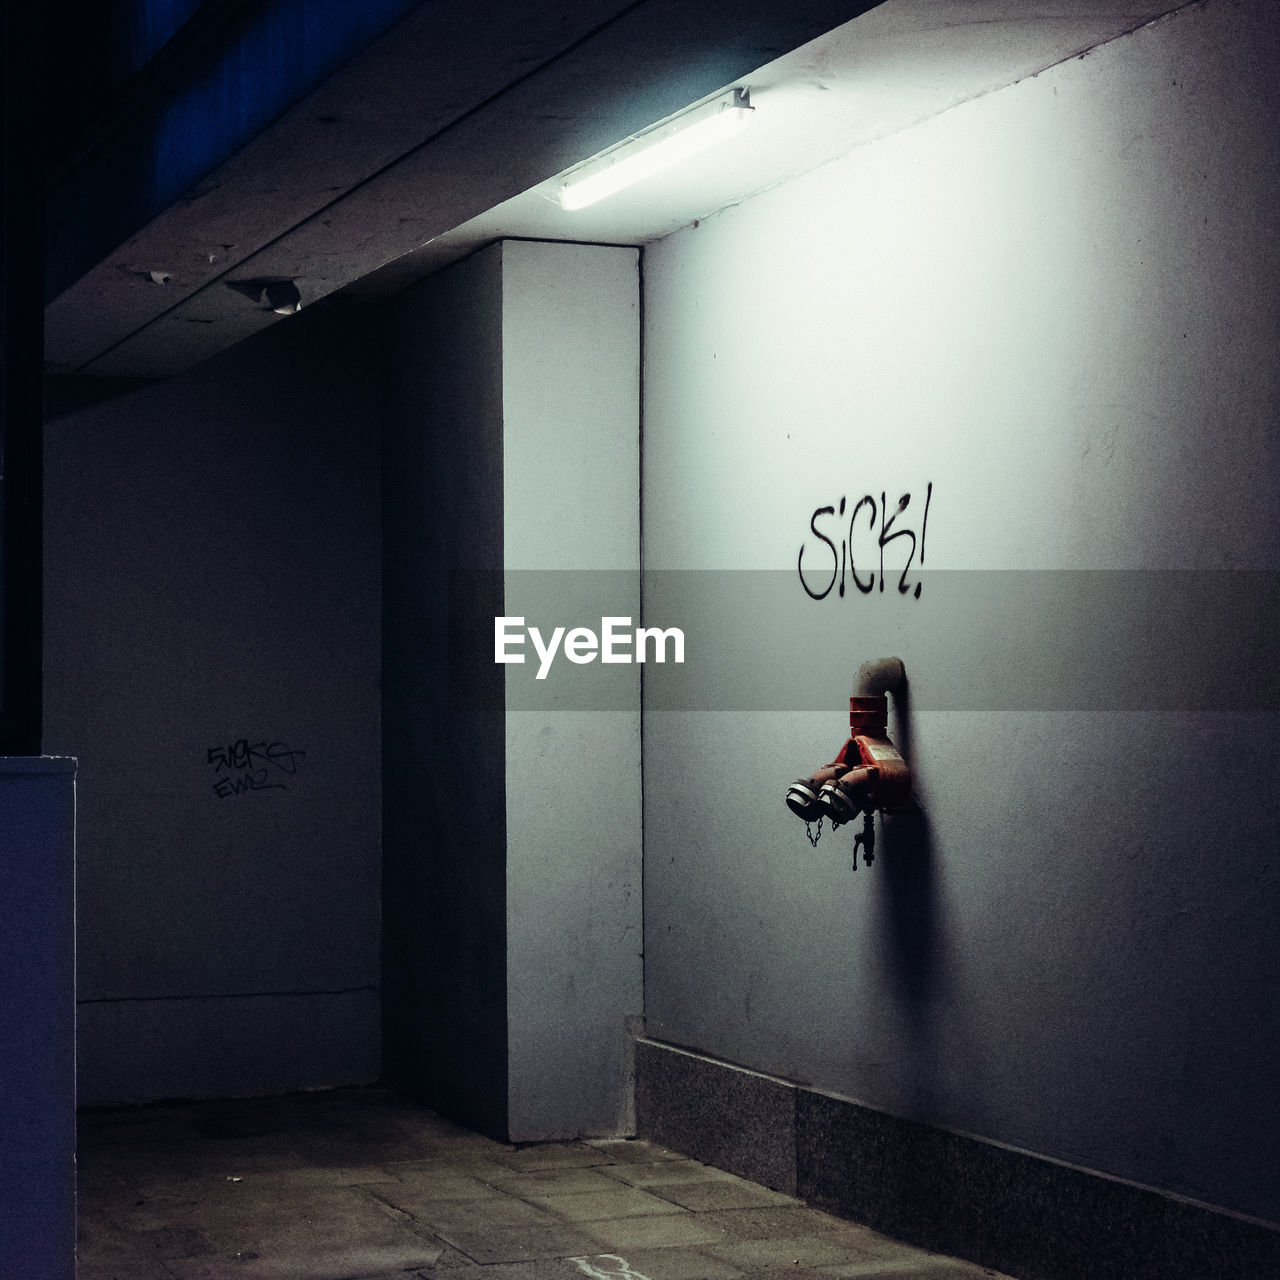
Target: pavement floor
(363,1185)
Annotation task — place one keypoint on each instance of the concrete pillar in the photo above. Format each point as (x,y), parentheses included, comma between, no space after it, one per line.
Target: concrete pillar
(512,825)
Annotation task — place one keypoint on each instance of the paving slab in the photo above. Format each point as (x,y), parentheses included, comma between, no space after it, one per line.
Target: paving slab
(187,1164)
(711,1196)
(428,1184)
(794,1220)
(115,1126)
(462,1144)
(668,1172)
(450,1261)
(300,1177)
(549,1155)
(800,1251)
(571,1180)
(286,1259)
(657,1232)
(475,1165)
(520,1244)
(621,1202)
(362,1186)
(177,1242)
(319,1243)
(931,1267)
(446,1217)
(670,1264)
(632,1150)
(461,1268)
(143,1161)
(105,1252)
(331,1149)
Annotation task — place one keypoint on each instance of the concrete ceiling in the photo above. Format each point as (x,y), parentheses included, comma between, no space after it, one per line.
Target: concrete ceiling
(449,132)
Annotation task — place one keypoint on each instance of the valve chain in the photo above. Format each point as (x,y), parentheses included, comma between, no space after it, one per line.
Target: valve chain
(864,839)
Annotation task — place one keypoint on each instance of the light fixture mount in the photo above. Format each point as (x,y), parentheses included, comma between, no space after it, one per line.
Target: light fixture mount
(279,294)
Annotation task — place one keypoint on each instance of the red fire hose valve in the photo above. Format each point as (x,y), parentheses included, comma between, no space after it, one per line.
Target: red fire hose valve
(869,773)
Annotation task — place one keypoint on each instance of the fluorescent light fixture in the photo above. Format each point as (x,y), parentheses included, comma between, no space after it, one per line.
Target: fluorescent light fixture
(661,147)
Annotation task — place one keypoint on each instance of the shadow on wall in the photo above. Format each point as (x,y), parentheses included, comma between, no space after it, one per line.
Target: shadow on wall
(911,924)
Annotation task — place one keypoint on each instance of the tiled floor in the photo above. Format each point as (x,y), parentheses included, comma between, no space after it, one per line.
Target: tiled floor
(365,1185)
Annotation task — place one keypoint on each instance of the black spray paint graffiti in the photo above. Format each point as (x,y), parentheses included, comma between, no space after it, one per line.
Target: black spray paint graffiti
(245,766)
(842,560)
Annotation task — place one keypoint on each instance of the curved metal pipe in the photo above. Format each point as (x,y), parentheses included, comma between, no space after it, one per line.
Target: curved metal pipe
(878,676)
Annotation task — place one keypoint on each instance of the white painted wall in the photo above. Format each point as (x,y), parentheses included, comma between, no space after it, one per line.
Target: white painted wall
(571,490)
(1057,305)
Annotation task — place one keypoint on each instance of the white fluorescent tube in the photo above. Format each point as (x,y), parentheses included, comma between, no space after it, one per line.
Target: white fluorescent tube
(666,146)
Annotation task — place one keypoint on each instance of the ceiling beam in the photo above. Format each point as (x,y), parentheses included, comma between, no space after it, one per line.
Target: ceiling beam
(461,105)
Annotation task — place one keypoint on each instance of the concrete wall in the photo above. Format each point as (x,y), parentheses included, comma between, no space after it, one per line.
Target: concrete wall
(513,805)
(1052,313)
(212,658)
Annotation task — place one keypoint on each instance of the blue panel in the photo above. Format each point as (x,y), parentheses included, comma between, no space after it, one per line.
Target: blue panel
(150,26)
(215,92)
(286,50)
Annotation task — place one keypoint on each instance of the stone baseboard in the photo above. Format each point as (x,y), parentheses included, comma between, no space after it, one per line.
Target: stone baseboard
(725,1116)
(1019,1213)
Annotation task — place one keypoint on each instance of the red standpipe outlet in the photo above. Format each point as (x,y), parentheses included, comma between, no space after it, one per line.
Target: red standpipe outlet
(869,773)
(878,777)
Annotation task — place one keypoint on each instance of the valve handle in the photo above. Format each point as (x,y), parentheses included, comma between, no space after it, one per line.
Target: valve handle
(866,838)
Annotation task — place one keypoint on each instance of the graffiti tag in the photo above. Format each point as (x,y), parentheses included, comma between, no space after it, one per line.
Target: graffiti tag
(862,545)
(252,766)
